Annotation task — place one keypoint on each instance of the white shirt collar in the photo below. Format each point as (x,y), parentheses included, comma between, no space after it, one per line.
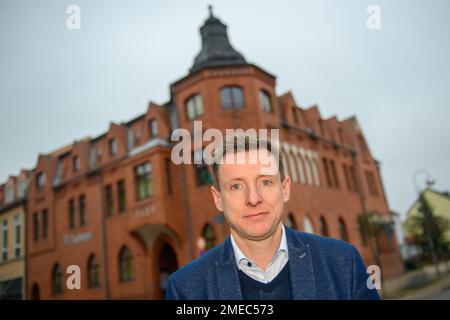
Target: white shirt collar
(239,255)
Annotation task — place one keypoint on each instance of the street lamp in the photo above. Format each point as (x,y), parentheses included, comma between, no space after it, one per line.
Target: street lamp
(430,181)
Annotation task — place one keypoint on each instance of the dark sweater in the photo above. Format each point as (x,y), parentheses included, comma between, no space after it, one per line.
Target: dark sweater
(278,289)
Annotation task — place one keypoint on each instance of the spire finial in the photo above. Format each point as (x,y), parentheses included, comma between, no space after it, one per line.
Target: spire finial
(210,8)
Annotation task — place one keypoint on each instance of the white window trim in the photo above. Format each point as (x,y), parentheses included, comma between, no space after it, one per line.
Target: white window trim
(4,228)
(16,245)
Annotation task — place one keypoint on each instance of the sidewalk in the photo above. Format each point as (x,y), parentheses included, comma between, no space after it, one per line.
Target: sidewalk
(418,284)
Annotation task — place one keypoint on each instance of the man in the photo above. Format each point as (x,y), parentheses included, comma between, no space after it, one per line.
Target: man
(262,258)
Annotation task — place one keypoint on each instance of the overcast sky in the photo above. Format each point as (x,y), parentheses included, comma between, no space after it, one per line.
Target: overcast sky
(58,85)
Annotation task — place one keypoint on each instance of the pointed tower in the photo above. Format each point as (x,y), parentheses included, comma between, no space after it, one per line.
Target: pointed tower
(216,48)
(222,89)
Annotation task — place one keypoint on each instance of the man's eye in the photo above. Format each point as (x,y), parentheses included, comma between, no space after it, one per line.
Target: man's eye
(266,182)
(235,186)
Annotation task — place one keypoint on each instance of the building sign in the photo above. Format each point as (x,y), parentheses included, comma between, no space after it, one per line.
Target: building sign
(70,239)
(145,211)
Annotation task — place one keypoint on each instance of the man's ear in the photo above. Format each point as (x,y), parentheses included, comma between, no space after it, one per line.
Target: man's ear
(217,198)
(286,186)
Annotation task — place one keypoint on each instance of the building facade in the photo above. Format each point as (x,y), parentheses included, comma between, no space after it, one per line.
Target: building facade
(118,207)
(12,236)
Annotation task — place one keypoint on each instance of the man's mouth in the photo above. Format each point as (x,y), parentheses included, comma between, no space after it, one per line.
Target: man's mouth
(256,215)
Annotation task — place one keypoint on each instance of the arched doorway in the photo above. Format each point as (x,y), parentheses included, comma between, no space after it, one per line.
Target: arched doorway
(35,294)
(167,265)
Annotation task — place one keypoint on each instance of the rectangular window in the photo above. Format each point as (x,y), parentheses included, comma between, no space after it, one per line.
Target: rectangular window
(40,180)
(327,172)
(264,98)
(130,138)
(35,226)
(335,177)
(153,128)
(9,193)
(72,214)
(352,174)
(121,195)
(143,181)
(347,177)
(17,236)
(169,176)
(22,188)
(76,164)
(5,241)
(82,209)
(45,224)
(109,199)
(112,147)
(194,107)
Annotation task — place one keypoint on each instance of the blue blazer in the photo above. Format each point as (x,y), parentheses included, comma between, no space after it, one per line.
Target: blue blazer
(320,269)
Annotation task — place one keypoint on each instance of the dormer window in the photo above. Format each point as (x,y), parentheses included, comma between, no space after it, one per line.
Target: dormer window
(22,187)
(40,180)
(112,147)
(9,193)
(194,107)
(76,164)
(153,128)
(265,101)
(232,97)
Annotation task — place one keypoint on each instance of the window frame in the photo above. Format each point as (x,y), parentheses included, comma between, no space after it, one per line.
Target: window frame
(233,103)
(264,95)
(194,103)
(145,178)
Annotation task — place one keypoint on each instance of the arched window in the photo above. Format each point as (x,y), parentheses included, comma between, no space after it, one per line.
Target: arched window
(324,227)
(266,103)
(290,222)
(126,267)
(343,230)
(293,168)
(57,279)
(315,171)
(301,172)
(307,225)
(232,97)
(209,235)
(93,272)
(194,107)
(308,169)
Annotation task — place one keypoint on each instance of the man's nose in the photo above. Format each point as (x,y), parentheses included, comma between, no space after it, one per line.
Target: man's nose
(253,197)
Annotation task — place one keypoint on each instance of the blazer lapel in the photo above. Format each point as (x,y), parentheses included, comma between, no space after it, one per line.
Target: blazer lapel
(301,268)
(227,274)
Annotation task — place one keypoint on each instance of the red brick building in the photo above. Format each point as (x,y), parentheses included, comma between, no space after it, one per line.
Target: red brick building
(116,206)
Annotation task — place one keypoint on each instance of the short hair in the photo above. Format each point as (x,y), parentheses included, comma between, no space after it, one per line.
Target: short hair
(238,143)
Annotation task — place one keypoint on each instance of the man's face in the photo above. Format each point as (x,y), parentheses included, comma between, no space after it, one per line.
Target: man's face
(251,196)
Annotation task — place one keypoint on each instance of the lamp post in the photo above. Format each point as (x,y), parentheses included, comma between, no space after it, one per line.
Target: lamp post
(430,181)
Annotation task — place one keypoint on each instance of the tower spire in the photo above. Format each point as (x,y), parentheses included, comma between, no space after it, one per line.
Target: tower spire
(216,48)
(210,9)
